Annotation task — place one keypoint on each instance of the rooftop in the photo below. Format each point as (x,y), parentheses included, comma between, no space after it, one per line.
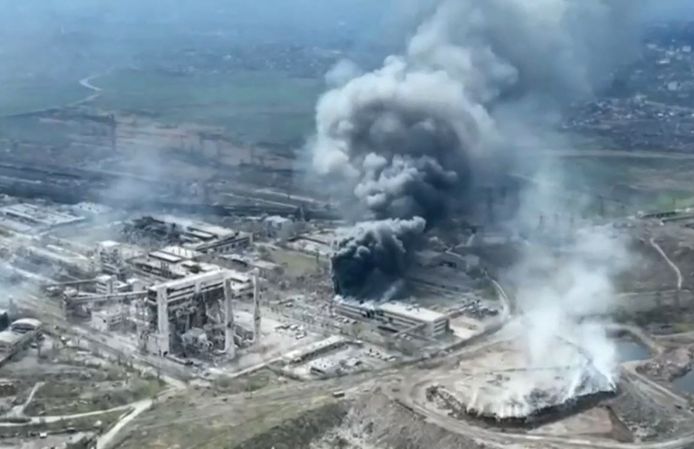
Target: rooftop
(277,220)
(9,337)
(214,276)
(27,322)
(38,215)
(166,257)
(107,244)
(180,251)
(411,311)
(197,228)
(398,308)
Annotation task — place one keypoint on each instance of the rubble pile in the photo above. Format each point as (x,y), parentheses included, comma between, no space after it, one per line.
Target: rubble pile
(670,365)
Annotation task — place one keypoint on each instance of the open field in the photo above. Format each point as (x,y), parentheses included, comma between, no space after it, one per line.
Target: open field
(626,181)
(254,106)
(23,96)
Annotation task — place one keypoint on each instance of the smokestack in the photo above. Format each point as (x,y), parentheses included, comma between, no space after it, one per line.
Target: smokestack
(256,311)
(229,327)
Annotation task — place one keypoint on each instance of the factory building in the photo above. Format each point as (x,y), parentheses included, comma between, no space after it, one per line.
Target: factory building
(4,319)
(280,228)
(205,237)
(229,243)
(106,285)
(316,244)
(173,262)
(109,258)
(245,263)
(72,262)
(396,317)
(20,334)
(202,301)
(108,319)
(11,342)
(198,236)
(25,217)
(26,325)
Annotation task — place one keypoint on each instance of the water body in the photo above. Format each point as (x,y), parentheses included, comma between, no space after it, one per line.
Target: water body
(685,383)
(629,350)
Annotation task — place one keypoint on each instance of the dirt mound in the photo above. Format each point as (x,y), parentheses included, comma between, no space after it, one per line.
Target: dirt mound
(299,432)
(671,364)
(373,421)
(376,422)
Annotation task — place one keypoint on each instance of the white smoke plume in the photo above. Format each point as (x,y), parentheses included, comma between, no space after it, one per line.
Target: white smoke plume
(344,71)
(562,298)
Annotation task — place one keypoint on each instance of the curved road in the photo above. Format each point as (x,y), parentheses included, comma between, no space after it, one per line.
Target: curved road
(87,84)
(674,267)
(407,397)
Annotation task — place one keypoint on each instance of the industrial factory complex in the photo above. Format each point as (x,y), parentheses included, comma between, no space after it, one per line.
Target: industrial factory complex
(174,299)
(483,241)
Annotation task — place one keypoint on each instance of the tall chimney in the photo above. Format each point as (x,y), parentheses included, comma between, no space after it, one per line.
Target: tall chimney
(256,311)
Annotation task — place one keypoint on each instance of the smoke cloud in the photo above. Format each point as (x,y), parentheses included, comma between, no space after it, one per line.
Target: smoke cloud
(558,296)
(342,72)
(371,257)
(409,130)
(407,139)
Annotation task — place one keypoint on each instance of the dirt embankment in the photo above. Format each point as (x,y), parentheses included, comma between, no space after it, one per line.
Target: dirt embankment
(370,422)
(376,422)
(298,433)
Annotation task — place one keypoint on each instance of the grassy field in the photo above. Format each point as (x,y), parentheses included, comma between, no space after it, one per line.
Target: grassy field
(255,106)
(22,96)
(639,183)
(66,398)
(295,264)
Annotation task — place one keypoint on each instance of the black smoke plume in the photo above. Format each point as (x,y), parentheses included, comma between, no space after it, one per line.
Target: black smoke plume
(372,256)
(406,139)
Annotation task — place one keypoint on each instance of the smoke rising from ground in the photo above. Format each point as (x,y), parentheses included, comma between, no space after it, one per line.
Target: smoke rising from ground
(373,256)
(556,296)
(406,140)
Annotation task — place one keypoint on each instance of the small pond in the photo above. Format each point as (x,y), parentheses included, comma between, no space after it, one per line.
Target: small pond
(629,350)
(685,383)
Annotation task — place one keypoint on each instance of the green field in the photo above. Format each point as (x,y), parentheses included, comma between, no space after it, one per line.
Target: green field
(22,96)
(642,183)
(254,106)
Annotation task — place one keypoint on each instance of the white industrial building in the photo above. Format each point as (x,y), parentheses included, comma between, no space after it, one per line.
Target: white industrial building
(396,317)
